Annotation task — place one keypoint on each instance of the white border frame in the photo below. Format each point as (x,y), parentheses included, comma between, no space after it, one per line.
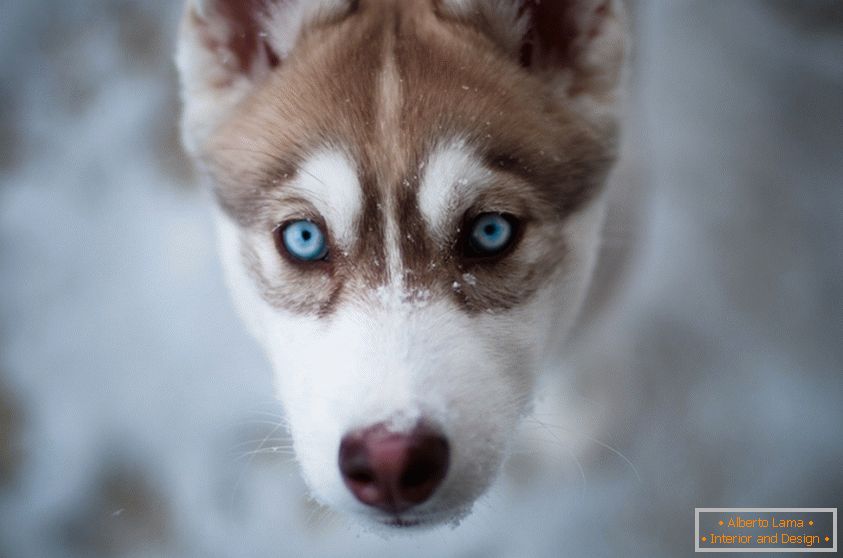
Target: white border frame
(697,511)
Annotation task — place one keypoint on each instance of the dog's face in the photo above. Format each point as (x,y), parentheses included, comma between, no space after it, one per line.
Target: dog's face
(409,215)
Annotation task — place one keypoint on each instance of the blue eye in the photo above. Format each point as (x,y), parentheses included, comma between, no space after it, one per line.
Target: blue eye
(491,234)
(304,241)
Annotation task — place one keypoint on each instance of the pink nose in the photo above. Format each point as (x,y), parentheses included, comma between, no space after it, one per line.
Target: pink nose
(393,471)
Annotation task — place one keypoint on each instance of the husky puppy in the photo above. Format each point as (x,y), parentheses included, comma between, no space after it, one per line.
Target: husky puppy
(410,208)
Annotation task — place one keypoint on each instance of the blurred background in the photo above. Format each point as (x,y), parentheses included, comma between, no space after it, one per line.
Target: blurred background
(132,401)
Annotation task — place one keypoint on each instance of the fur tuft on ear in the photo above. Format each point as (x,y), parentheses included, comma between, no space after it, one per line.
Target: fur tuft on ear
(578,44)
(227,47)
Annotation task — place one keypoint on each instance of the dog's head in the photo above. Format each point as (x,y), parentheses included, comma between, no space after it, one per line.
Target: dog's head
(409,215)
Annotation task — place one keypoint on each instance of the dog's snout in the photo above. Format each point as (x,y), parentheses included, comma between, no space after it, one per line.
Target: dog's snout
(394,471)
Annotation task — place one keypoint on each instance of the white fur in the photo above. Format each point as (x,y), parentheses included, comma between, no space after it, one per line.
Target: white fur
(453,174)
(328,179)
(247,300)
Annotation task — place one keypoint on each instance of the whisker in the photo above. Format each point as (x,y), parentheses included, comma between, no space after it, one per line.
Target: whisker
(269,451)
(280,441)
(277,416)
(261,423)
(596,441)
(272,448)
(570,452)
(251,458)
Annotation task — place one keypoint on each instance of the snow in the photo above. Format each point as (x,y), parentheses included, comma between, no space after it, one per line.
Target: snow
(714,376)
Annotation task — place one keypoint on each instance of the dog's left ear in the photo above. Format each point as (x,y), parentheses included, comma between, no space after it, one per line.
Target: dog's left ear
(228,47)
(579,45)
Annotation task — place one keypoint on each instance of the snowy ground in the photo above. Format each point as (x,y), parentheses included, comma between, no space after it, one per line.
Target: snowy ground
(129,392)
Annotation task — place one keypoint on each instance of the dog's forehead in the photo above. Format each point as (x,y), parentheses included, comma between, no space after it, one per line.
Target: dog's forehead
(390,124)
(388,88)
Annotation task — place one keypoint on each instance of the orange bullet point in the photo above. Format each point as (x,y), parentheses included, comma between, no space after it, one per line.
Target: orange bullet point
(705,539)
(721,522)
(826,539)
(811,522)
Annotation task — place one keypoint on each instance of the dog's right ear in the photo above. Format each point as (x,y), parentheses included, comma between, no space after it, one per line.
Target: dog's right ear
(578,46)
(228,47)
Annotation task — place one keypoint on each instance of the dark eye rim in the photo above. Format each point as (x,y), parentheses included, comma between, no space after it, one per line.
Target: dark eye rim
(469,252)
(281,247)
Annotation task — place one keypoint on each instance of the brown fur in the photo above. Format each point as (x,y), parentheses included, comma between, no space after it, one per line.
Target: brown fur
(453,81)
